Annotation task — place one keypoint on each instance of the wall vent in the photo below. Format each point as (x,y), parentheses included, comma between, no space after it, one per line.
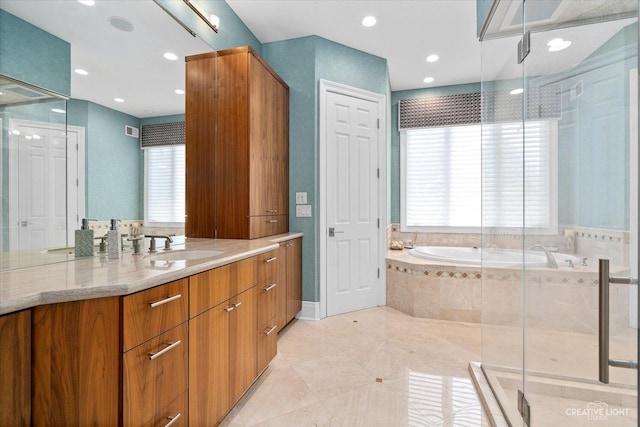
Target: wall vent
(576,91)
(131,131)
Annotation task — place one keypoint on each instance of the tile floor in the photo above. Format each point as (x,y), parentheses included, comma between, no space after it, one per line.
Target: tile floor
(375,367)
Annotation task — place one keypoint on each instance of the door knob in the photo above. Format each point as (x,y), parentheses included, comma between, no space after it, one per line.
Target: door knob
(333,232)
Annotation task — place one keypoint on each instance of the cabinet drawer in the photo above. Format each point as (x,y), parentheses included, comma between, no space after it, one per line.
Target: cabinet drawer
(154,376)
(261,226)
(267,266)
(267,300)
(148,313)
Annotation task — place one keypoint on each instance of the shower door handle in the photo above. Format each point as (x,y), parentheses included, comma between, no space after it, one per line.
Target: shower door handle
(603,322)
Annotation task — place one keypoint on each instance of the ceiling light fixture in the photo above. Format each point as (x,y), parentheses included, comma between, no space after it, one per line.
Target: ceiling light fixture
(432,58)
(558,44)
(81,72)
(369,21)
(87,2)
(118,99)
(179,91)
(171,56)
(200,15)
(121,24)
(517,91)
(428,79)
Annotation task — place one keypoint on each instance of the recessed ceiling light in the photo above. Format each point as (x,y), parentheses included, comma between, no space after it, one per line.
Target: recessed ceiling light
(558,44)
(87,2)
(118,99)
(15,132)
(179,91)
(171,56)
(428,79)
(58,110)
(432,58)
(81,72)
(36,136)
(369,21)
(121,24)
(517,91)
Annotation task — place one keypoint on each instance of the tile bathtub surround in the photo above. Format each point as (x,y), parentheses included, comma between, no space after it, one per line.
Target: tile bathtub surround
(375,367)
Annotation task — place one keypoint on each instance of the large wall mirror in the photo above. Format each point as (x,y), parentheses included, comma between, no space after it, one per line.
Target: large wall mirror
(121,66)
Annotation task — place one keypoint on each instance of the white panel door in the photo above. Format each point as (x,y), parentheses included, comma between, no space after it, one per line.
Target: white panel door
(44,207)
(353,281)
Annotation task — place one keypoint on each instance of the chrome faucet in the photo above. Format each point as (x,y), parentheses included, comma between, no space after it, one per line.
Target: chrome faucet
(152,244)
(551,261)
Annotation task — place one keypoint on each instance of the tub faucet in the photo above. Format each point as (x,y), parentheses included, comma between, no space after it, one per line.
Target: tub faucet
(551,261)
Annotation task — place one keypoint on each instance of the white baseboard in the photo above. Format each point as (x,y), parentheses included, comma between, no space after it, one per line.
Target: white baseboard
(310,311)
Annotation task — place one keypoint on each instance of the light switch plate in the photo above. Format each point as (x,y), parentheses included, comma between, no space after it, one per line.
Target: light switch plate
(301,199)
(303,211)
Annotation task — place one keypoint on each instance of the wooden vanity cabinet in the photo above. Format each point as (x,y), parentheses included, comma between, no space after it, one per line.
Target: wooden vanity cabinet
(15,369)
(244,171)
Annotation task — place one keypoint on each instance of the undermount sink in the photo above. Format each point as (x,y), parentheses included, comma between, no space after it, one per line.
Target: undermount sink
(185,254)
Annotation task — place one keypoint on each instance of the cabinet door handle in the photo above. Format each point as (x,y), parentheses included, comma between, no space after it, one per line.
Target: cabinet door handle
(271,286)
(171,346)
(238,304)
(271,329)
(166,300)
(272,210)
(272,221)
(268,260)
(230,308)
(173,419)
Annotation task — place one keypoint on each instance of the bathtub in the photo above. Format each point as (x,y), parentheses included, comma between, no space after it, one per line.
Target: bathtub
(488,257)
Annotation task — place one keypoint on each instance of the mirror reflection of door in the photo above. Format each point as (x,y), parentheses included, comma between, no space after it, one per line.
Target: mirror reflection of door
(47,190)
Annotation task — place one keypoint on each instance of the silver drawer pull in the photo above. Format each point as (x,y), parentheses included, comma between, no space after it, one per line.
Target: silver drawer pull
(272,221)
(271,286)
(171,346)
(230,308)
(166,300)
(173,419)
(271,329)
(238,304)
(272,210)
(268,260)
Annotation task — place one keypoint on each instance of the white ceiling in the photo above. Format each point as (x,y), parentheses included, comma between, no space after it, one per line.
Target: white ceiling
(405,34)
(131,66)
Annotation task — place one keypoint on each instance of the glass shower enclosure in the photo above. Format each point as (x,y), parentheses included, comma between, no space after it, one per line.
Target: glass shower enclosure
(560,178)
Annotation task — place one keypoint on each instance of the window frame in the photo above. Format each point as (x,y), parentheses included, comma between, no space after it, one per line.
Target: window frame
(147,222)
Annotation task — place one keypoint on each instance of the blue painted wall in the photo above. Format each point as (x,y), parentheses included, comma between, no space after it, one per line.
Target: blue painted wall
(114,162)
(302,63)
(32,55)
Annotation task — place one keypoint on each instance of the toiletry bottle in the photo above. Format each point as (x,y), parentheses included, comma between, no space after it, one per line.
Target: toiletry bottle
(84,240)
(113,240)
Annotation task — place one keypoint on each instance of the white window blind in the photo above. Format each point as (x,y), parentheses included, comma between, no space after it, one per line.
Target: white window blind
(164,184)
(453,182)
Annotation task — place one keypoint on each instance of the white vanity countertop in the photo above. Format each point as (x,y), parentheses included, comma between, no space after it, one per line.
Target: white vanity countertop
(98,276)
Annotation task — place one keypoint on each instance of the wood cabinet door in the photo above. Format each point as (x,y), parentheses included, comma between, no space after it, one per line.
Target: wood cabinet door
(294,278)
(76,363)
(281,278)
(154,375)
(242,347)
(209,366)
(15,369)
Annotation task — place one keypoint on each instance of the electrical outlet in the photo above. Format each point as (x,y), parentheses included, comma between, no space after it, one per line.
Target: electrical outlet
(301,199)
(303,211)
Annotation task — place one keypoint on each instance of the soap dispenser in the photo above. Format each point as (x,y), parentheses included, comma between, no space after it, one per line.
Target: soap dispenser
(84,240)
(113,240)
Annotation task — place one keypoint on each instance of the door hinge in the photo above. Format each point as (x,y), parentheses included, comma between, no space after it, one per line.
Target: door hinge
(524,408)
(378,123)
(77,182)
(378,222)
(378,172)
(524,47)
(378,273)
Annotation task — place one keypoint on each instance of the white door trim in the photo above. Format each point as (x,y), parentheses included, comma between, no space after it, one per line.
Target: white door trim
(74,213)
(325,87)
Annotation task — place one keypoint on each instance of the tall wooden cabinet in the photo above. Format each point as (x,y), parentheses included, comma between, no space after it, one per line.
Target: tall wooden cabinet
(237,144)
